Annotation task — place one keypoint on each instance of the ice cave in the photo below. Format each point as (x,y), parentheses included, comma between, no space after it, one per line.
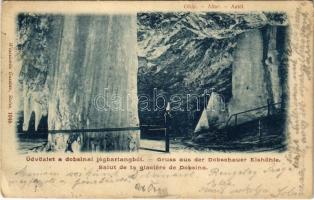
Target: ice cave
(71,64)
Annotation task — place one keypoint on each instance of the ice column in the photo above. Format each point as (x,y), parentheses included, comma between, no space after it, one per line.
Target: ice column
(248,77)
(95,84)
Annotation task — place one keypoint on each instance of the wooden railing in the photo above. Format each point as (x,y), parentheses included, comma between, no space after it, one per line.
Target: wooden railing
(268,106)
(159,128)
(102,130)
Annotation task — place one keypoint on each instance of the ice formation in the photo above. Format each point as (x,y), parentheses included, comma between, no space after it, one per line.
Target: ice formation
(97,58)
(248,76)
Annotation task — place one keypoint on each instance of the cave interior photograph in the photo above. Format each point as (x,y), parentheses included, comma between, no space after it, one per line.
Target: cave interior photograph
(165,82)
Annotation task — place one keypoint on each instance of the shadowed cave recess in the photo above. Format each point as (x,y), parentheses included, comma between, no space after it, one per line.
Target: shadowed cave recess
(205,67)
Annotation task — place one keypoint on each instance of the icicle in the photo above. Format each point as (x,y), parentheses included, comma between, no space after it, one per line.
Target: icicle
(38,114)
(168,107)
(27,107)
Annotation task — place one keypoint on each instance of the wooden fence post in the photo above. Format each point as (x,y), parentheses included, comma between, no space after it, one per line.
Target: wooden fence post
(167,138)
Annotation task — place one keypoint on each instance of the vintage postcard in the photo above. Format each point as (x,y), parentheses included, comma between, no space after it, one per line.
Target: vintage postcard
(187,99)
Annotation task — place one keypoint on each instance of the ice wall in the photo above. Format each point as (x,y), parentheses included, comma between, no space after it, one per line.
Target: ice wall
(248,76)
(97,58)
(33,101)
(272,65)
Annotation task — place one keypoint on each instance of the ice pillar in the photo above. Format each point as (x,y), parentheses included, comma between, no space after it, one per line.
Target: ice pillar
(248,77)
(95,84)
